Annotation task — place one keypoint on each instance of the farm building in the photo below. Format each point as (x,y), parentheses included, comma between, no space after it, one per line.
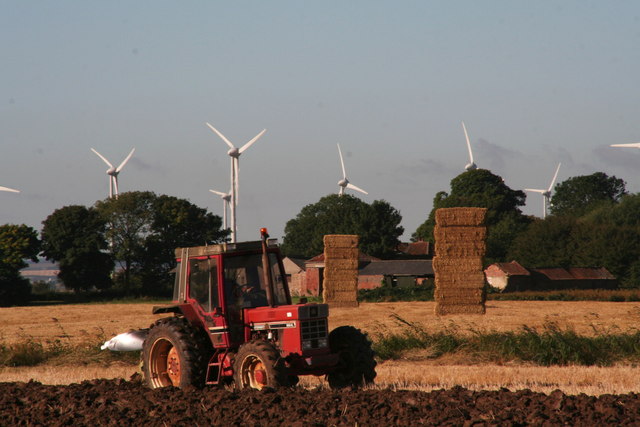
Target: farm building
(372,273)
(513,277)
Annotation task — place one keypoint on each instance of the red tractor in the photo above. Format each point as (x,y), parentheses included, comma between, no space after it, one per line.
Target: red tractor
(233,322)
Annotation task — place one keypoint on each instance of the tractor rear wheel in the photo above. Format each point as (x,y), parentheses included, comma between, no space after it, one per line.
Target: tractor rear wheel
(174,354)
(357,364)
(258,365)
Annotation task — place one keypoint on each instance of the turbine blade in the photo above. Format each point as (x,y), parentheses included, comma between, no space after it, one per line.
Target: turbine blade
(250,143)
(466,135)
(102,157)
(219,193)
(632,145)
(344,173)
(353,187)
(553,181)
(221,136)
(124,162)
(535,190)
(11,190)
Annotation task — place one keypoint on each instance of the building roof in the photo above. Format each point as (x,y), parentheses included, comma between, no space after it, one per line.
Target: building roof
(573,273)
(415,248)
(512,268)
(411,267)
(362,258)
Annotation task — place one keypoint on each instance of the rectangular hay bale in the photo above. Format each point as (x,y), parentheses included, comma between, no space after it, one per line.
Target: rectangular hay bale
(340,275)
(456,264)
(462,249)
(452,294)
(453,279)
(341,253)
(340,240)
(457,233)
(460,216)
(341,264)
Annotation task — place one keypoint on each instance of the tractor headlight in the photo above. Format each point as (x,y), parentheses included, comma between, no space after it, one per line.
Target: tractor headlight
(314,343)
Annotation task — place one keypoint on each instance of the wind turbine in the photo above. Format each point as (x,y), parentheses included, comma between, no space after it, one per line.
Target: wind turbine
(632,145)
(226,198)
(470,166)
(11,190)
(344,182)
(235,153)
(113,173)
(546,194)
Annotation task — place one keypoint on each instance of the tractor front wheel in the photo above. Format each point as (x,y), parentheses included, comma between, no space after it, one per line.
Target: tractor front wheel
(258,365)
(357,364)
(174,354)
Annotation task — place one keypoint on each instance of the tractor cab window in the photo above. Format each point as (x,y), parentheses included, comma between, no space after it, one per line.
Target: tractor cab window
(203,282)
(245,285)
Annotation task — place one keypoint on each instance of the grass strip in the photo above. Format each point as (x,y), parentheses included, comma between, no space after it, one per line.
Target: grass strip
(550,346)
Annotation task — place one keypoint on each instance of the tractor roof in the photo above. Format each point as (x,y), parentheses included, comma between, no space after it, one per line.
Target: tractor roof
(222,248)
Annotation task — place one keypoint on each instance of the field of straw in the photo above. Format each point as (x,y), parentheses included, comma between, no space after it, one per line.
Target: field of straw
(78,324)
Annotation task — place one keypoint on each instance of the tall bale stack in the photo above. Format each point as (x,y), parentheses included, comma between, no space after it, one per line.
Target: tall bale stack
(460,237)
(340,283)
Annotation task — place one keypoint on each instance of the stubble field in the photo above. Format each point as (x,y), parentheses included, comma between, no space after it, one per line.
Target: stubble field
(90,323)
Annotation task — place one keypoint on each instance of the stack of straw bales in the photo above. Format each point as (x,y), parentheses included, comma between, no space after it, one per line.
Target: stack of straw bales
(460,237)
(340,284)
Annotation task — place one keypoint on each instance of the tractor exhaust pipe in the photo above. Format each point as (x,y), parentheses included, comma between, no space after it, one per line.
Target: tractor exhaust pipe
(266,267)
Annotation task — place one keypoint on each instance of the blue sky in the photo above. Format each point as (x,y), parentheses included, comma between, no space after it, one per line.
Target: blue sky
(536,83)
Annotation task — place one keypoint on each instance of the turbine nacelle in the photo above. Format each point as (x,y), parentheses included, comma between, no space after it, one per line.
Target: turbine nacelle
(113,172)
(470,166)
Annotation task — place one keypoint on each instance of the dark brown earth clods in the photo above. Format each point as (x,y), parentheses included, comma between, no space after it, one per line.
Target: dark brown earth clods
(117,402)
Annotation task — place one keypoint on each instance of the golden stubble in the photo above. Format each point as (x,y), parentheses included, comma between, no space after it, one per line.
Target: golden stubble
(82,324)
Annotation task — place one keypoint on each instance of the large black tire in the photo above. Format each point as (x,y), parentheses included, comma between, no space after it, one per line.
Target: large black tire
(357,366)
(175,354)
(258,365)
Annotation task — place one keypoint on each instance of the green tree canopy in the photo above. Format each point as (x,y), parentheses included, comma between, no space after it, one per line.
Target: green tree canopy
(74,236)
(144,229)
(378,226)
(580,195)
(17,243)
(481,188)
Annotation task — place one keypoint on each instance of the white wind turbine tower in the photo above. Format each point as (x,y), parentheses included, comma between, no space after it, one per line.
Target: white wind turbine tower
(113,173)
(546,194)
(632,145)
(11,190)
(226,200)
(235,153)
(344,182)
(471,165)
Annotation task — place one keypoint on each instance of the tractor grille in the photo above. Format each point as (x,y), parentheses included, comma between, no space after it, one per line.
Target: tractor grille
(314,329)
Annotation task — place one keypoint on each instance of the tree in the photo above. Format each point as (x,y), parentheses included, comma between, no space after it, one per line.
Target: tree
(74,236)
(545,243)
(128,218)
(175,223)
(481,188)
(580,195)
(144,229)
(378,226)
(17,243)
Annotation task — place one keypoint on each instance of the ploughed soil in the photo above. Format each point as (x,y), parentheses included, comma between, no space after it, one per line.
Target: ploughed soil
(119,402)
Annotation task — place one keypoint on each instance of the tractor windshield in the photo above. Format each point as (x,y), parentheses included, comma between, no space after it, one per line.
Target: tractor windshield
(244,281)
